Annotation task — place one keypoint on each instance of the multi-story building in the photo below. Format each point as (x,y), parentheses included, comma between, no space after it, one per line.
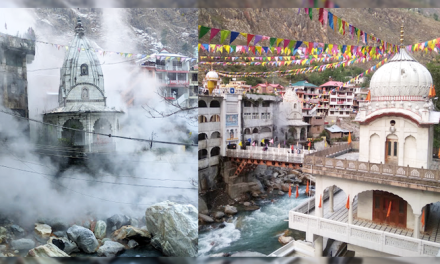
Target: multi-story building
(174,73)
(340,99)
(310,96)
(390,191)
(268,88)
(360,96)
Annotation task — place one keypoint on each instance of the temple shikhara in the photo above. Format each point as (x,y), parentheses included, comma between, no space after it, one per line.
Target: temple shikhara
(82,100)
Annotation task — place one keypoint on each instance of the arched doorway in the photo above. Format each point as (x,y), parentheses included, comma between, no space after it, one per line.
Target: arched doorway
(73,137)
(397,207)
(102,126)
(391,146)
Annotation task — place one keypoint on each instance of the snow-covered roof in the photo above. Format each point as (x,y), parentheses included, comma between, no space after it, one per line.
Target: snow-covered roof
(83,108)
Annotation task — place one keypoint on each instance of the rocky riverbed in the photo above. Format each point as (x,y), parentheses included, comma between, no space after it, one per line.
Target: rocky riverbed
(166,229)
(271,182)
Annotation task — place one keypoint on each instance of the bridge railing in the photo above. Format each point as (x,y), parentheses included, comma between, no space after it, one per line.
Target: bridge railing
(344,147)
(273,154)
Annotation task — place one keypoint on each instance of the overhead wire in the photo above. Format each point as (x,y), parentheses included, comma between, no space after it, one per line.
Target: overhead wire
(101,134)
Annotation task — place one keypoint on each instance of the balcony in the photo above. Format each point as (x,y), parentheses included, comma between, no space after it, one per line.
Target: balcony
(209,111)
(209,126)
(214,142)
(203,144)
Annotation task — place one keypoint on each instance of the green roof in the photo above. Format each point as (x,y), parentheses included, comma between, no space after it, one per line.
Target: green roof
(304,83)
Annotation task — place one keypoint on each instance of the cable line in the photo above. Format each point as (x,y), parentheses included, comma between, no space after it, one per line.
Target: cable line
(101,134)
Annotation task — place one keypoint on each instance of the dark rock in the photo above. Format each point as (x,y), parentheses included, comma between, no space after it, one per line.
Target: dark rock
(64,244)
(84,238)
(117,221)
(17,231)
(222,226)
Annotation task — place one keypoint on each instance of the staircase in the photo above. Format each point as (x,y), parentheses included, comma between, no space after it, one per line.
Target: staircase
(240,168)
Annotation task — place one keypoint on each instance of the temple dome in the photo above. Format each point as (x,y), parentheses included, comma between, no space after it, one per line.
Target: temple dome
(401,76)
(212,76)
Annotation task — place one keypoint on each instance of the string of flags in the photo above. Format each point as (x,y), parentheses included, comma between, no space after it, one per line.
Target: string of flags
(294,71)
(106,52)
(370,70)
(290,62)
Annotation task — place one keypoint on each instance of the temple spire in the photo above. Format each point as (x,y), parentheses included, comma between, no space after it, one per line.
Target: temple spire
(79,28)
(401,35)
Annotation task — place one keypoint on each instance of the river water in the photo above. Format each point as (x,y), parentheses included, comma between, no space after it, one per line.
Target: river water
(255,231)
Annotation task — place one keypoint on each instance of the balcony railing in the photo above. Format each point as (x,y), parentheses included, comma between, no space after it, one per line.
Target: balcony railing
(399,245)
(273,154)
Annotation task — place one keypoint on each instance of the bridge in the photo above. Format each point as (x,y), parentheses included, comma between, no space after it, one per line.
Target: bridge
(255,155)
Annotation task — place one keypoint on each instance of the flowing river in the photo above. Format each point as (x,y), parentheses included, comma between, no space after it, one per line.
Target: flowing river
(255,231)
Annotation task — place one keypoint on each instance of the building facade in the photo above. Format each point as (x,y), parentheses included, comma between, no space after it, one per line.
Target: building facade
(82,101)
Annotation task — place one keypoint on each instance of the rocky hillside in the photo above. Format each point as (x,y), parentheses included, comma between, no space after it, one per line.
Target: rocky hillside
(384,23)
(134,30)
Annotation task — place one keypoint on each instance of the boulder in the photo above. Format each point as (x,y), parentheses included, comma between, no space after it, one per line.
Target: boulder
(4,235)
(64,244)
(174,228)
(100,229)
(203,208)
(131,232)
(2,248)
(117,221)
(281,193)
(43,230)
(17,231)
(48,250)
(132,243)
(275,174)
(60,233)
(247,204)
(230,209)
(284,240)
(255,194)
(219,215)
(23,244)
(57,224)
(285,187)
(110,249)
(205,218)
(134,222)
(84,238)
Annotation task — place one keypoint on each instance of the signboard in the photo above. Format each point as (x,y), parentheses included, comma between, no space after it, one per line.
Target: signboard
(231,134)
(231,120)
(231,90)
(179,82)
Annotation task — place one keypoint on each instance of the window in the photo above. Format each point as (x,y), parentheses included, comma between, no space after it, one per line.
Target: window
(268,116)
(84,69)
(247,104)
(177,63)
(247,115)
(294,106)
(172,76)
(395,148)
(389,148)
(194,77)
(160,62)
(401,207)
(263,115)
(254,115)
(266,104)
(181,76)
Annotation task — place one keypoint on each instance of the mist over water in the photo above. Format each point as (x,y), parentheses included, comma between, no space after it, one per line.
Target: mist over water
(41,190)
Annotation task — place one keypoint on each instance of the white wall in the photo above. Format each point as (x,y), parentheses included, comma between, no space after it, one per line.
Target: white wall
(361,252)
(365,205)
(404,129)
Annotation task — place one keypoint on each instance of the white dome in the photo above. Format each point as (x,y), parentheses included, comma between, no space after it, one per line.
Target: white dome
(401,76)
(212,75)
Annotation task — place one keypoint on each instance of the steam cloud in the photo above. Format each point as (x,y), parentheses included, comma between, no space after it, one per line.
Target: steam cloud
(27,196)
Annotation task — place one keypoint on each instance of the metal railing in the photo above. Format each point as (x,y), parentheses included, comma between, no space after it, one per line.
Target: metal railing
(361,236)
(272,154)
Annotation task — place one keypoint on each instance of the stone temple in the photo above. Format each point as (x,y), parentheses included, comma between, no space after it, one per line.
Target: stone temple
(82,101)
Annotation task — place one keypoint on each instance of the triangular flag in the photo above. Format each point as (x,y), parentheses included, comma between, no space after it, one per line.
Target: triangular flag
(234,35)
(257,39)
(249,38)
(203,31)
(223,35)
(214,32)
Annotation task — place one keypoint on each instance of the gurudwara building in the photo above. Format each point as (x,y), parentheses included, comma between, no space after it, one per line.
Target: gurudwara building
(379,196)
(82,101)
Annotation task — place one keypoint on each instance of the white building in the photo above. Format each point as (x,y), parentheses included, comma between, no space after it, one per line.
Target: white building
(390,195)
(82,101)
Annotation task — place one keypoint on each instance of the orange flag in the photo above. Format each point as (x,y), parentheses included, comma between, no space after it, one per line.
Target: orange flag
(320,199)
(389,209)
(348,203)
(433,90)
(423,218)
(368,96)
(430,92)
(349,138)
(297,194)
(307,188)
(438,152)
(290,191)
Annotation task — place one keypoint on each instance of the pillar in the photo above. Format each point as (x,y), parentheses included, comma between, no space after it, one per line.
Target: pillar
(416,233)
(319,248)
(331,201)
(350,212)
(298,133)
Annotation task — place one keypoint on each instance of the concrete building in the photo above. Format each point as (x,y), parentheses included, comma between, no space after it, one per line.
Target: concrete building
(82,101)
(340,99)
(15,54)
(389,204)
